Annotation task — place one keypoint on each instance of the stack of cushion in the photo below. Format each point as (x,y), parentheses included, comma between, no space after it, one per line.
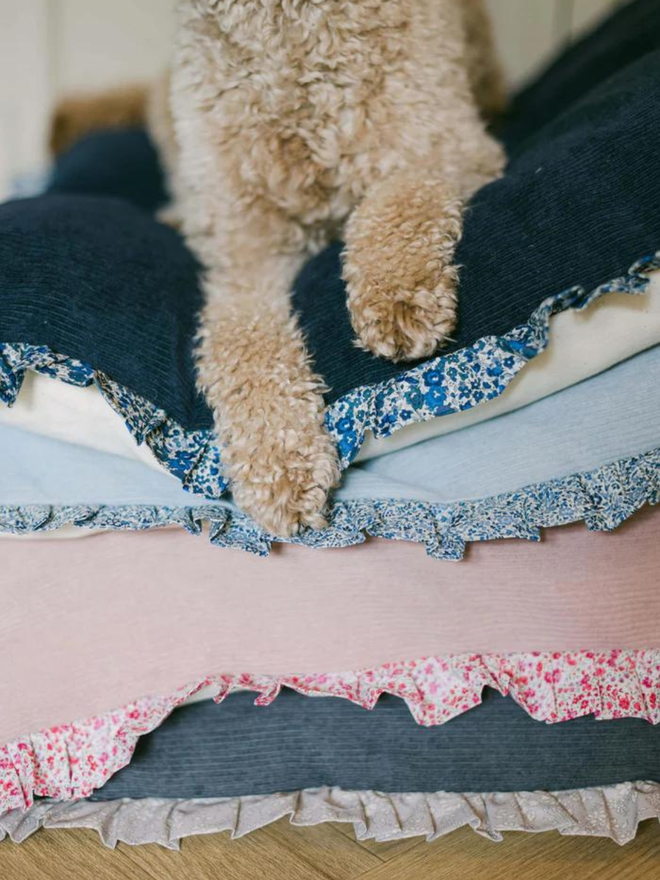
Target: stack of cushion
(514,653)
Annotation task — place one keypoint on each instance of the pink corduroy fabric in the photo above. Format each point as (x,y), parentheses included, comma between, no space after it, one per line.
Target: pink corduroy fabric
(87,626)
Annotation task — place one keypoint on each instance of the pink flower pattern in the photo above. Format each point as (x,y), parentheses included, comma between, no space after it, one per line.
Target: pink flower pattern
(71,761)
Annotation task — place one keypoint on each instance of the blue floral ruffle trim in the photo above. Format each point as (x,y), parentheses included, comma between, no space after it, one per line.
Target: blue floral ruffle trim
(469,377)
(447,384)
(191,456)
(603,499)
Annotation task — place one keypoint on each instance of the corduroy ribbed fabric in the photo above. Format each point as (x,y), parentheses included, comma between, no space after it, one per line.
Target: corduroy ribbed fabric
(613,417)
(625,36)
(237,749)
(97,279)
(121,164)
(577,207)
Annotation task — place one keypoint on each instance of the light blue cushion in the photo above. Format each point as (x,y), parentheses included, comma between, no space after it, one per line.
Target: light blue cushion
(591,453)
(610,417)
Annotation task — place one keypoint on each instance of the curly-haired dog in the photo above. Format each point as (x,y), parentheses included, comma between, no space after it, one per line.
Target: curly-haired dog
(297,121)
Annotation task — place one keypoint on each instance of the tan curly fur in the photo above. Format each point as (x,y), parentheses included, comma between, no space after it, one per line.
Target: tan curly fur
(399,272)
(298,121)
(486,74)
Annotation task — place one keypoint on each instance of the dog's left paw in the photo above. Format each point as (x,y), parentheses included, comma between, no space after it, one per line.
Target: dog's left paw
(283,476)
(406,325)
(399,270)
(269,413)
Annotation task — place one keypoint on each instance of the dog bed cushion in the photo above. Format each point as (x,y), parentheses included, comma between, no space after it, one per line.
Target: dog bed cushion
(241,622)
(203,751)
(578,584)
(615,812)
(583,344)
(126,165)
(589,452)
(100,283)
(585,453)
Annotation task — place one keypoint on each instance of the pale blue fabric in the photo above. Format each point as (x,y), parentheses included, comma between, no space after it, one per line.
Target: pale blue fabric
(610,417)
(38,470)
(613,416)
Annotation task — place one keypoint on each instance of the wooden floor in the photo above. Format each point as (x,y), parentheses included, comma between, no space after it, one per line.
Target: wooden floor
(330,852)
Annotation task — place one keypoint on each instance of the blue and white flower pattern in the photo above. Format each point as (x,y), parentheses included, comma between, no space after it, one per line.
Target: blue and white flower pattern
(462,380)
(194,457)
(603,499)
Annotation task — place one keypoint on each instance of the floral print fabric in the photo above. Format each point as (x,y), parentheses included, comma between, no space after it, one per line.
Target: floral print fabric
(71,761)
(448,384)
(603,499)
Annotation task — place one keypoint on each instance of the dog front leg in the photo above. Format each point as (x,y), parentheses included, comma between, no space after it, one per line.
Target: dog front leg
(266,398)
(399,268)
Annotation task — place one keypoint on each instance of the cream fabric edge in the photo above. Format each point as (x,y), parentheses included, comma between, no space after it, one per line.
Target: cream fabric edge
(612,811)
(76,415)
(582,344)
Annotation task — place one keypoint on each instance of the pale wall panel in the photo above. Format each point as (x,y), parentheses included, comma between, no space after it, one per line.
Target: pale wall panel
(100,42)
(25,86)
(587,12)
(527,33)
(104,42)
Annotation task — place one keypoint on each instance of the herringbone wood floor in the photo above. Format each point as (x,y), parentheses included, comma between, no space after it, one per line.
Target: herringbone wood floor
(330,852)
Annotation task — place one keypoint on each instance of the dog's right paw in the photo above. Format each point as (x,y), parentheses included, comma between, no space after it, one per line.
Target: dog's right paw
(405,325)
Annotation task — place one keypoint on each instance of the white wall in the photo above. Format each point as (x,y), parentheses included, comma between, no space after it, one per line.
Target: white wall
(51,47)
(531,31)
(25,77)
(102,42)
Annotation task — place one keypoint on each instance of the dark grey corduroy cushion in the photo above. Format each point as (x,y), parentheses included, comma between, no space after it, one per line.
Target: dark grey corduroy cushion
(237,749)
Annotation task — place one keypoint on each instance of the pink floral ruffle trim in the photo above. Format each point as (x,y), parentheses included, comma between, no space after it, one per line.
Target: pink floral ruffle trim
(71,761)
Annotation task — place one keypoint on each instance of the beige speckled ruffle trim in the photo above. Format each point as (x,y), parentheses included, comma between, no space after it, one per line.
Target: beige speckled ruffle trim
(613,811)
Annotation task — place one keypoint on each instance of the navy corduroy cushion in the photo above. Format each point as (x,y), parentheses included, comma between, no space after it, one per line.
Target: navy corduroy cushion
(97,279)
(577,207)
(122,164)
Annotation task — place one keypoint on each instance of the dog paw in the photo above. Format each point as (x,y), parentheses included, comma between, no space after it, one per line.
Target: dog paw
(399,268)
(406,325)
(282,479)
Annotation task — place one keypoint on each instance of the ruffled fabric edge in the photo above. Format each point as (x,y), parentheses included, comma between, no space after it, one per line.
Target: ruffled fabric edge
(610,811)
(447,384)
(70,761)
(466,378)
(193,457)
(603,498)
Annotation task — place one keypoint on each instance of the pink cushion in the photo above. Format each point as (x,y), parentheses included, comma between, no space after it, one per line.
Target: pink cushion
(90,625)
